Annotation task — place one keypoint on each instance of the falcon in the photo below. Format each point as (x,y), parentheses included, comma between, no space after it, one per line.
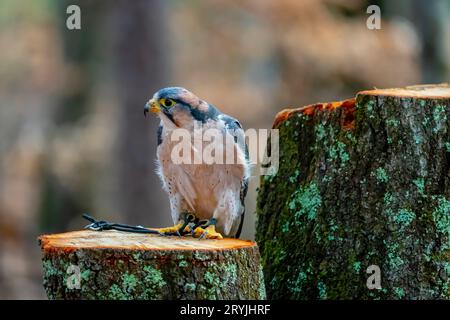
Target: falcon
(206,197)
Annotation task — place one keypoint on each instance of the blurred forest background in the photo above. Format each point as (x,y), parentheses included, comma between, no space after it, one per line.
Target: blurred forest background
(73,137)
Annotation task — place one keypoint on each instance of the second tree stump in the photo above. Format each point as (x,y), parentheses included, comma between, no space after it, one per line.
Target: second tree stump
(361,183)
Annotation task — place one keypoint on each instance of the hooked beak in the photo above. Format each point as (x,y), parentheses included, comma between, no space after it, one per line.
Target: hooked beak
(153,106)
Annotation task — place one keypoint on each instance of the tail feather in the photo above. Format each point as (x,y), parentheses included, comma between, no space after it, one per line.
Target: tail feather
(241,223)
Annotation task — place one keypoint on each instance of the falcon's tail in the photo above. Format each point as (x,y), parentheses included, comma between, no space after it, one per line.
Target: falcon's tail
(241,223)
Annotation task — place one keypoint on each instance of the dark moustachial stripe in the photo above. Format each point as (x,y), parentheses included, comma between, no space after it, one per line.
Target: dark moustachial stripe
(159,134)
(168,114)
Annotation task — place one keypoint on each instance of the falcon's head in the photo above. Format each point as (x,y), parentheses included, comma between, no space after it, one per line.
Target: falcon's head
(178,107)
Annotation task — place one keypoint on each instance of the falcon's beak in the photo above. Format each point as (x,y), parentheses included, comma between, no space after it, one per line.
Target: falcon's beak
(152,106)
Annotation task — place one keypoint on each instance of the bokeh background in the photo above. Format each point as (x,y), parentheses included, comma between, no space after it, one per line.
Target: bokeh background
(73,138)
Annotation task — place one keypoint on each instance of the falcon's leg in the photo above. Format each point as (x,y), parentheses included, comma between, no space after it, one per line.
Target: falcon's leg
(180,229)
(207,230)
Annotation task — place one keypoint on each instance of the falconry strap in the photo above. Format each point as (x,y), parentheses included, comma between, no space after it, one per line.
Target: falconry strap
(100,225)
(105,225)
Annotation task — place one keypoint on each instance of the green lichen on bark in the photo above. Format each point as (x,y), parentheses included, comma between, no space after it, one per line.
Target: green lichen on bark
(155,274)
(345,198)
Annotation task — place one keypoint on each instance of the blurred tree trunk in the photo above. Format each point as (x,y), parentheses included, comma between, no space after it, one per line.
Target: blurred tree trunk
(430,19)
(61,201)
(121,42)
(141,68)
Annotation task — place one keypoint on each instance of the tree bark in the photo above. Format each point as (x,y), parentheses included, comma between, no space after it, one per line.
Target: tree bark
(120,265)
(361,182)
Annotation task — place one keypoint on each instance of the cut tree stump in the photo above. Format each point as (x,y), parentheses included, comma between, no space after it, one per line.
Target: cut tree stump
(361,182)
(120,265)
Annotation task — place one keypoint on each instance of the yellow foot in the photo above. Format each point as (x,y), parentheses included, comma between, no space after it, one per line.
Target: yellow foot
(172,230)
(207,233)
(180,229)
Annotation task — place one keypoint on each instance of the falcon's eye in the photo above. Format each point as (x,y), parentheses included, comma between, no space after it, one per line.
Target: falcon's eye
(167,102)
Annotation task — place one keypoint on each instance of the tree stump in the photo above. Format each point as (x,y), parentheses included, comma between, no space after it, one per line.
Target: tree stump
(120,265)
(363,182)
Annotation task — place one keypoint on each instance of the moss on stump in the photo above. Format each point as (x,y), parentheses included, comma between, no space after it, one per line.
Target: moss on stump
(361,182)
(119,265)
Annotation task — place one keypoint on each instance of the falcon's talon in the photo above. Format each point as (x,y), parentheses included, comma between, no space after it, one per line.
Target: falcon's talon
(180,229)
(170,231)
(207,233)
(188,218)
(207,230)
(191,228)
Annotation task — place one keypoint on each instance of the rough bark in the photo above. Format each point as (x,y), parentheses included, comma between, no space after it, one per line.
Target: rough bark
(117,265)
(361,182)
